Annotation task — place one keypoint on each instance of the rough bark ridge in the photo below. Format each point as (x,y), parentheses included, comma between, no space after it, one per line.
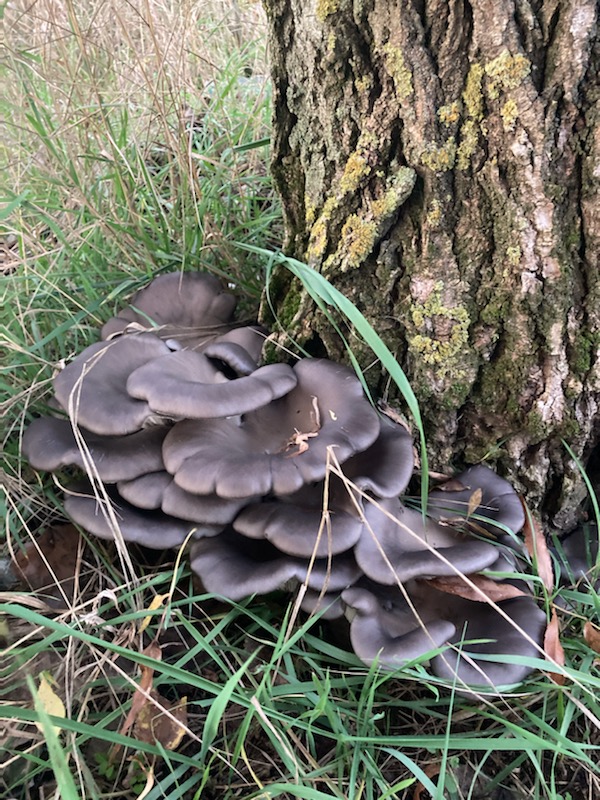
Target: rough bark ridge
(439,162)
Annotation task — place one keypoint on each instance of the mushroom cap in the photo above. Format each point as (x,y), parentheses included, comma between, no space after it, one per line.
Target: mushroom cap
(393,546)
(386,467)
(249,338)
(499,506)
(235,567)
(481,621)
(150,528)
(297,525)
(158,490)
(329,604)
(92,388)
(49,444)
(190,307)
(186,384)
(387,630)
(580,549)
(278,447)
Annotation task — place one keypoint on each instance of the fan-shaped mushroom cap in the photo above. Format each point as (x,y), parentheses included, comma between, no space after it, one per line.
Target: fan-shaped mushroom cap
(580,549)
(250,339)
(386,467)
(49,444)
(158,490)
(386,626)
(520,635)
(92,388)
(190,307)
(278,447)
(235,567)
(388,631)
(297,525)
(393,546)
(486,499)
(328,604)
(150,528)
(186,384)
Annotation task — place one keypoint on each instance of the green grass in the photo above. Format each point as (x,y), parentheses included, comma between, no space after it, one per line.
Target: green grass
(137,143)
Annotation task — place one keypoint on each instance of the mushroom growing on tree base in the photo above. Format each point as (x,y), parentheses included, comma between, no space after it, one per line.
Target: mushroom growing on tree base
(281,476)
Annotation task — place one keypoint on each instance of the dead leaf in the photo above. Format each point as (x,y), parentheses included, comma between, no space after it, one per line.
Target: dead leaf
(537,547)
(49,701)
(51,562)
(591,634)
(554,649)
(493,591)
(453,485)
(431,770)
(474,502)
(152,725)
(140,697)
(156,603)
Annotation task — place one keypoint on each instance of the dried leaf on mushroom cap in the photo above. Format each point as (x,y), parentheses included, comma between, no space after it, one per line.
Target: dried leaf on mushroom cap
(383,627)
(187,385)
(153,529)
(92,388)
(158,490)
(50,444)
(386,467)
(520,635)
(298,525)
(281,446)
(485,498)
(190,307)
(393,546)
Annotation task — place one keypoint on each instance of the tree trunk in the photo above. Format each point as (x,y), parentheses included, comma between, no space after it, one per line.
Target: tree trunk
(439,162)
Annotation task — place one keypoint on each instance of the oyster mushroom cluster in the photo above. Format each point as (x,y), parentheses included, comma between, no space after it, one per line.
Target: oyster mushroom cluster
(281,477)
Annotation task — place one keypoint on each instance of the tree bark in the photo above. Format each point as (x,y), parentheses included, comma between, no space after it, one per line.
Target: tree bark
(439,162)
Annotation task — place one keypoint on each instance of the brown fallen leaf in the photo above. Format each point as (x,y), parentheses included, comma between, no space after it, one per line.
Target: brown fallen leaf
(474,502)
(51,563)
(431,770)
(493,591)
(152,725)
(591,634)
(554,649)
(537,547)
(140,697)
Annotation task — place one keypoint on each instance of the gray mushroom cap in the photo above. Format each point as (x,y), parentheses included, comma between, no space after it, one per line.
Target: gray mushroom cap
(499,506)
(280,446)
(580,551)
(386,467)
(250,339)
(236,567)
(190,307)
(385,626)
(150,528)
(520,635)
(49,444)
(186,384)
(158,490)
(297,525)
(329,604)
(393,546)
(388,632)
(92,388)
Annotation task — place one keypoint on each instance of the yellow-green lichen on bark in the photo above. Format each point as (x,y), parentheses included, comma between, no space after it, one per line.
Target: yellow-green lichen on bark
(358,238)
(440,159)
(355,170)
(399,72)
(443,354)
(325,8)
(450,113)
(506,72)
(509,113)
